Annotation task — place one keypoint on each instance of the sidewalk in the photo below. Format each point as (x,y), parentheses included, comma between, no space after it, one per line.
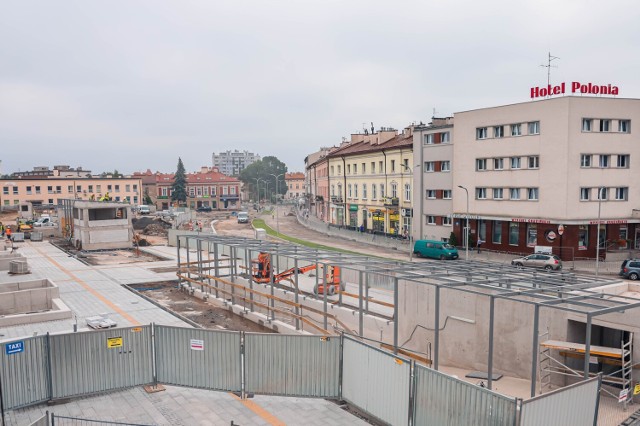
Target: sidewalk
(399,249)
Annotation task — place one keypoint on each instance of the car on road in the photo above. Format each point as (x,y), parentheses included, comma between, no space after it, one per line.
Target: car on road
(548,262)
(243,217)
(434,249)
(630,269)
(204,209)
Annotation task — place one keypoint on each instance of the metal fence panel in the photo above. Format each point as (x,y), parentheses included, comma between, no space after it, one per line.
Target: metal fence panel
(279,364)
(574,405)
(25,374)
(375,381)
(206,359)
(444,400)
(84,363)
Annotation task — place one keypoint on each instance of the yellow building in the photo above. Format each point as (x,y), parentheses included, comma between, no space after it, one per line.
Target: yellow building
(370,182)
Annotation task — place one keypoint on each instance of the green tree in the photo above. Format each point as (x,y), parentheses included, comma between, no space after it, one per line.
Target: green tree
(266,170)
(114,174)
(453,239)
(147,198)
(179,187)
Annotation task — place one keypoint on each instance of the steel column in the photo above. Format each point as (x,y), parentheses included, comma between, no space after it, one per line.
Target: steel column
(395,316)
(296,293)
(250,269)
(436,332)
(587,347)
(360,312)
(534,350)
(492,303)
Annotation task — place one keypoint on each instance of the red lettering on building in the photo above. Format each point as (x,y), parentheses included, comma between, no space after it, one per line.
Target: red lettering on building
(576,87)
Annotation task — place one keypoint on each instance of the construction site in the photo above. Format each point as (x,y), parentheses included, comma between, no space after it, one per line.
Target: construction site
(436,335)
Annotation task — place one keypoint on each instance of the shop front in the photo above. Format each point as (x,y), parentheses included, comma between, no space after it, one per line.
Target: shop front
(353,215)
(377,220)
(394,222)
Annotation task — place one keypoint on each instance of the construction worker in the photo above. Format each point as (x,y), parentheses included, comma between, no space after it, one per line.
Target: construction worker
(2,229)
(9,233)
(105,197)
(263,265)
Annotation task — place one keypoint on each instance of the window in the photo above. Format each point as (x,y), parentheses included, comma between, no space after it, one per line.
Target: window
(534,162)
(498,163)
(431,194)
(332,171)
(58,189)
(428,139)
(446,220)
(355,190)
(429,166)
(605,125)
(532,193)
(623,161)
(583,237)
(587,124)
(481,193)
(621,194)
(15,190)
(70,189)
(585,160)
(380,168)
(498,132)
(515,162)
(364,168)
(135,188)
(394,190)
(127,188)
(624,126)
(108,188)
(532,234)
(407,192)
(348,169)
(382,190)
(514,233)
(37,189)
(534,128)
(445,166)
(445,137)
(117,188)
(516,129)
(364,191)
(5,190)
(339,190)
(446,194)
(585,194)
(333,190)
(50,189)
(602,194)
(28,190)
(497,193)
(355,169)
(481,133)
(514,193)
(431,220)
(405,164)
(339,169)
(481,164)
(350,191)
(393,166)
(604,161)
(496,232)
(373,192)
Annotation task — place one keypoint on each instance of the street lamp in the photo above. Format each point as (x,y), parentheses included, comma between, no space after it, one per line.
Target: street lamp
(277,215)
(412,212)
(466,233)
(598,231)
(258,190)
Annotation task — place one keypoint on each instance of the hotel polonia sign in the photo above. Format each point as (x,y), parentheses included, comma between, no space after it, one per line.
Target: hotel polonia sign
(575,87)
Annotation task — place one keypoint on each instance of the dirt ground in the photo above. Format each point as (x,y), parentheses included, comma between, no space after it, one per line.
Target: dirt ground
(204,313)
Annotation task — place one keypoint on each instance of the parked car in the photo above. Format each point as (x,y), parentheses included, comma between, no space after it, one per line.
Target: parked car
(243,217)
(204,209)
(434,249)
(630,269)
(144,209)
(548,262)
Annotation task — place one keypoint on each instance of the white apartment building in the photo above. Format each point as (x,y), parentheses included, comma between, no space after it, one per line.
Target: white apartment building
(433,180)
(543,173)
(231,163)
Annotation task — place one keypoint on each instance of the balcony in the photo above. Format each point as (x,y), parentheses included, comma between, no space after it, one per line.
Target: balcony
(390,202)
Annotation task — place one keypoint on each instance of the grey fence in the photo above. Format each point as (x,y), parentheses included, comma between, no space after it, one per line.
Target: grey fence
(292,365)
(197,358)
(444,400)
(376,381)
(575,405)
(85,363)
(25,372)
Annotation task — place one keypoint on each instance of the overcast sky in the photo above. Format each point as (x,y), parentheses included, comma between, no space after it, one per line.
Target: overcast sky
(131,85)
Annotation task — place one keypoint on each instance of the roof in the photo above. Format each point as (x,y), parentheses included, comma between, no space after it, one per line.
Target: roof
(294,176)
(193,178)
(354,148)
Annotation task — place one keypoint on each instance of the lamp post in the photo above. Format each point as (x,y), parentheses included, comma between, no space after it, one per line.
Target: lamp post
(258,190)
(412,211)
(466,233)
(277,215)
(598,231)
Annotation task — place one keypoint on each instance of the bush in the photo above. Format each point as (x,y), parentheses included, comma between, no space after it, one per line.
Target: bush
(453,239)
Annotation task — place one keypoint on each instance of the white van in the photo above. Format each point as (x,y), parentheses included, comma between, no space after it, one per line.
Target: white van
(144,209)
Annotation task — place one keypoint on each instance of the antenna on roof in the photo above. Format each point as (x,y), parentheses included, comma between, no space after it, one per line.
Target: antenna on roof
(372,128)
(549,66)
(434,113)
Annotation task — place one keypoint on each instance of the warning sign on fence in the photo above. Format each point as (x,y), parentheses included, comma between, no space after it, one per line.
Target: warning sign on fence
(114,342)
(622,397)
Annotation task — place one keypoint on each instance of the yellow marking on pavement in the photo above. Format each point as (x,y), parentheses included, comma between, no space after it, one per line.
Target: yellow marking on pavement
(266,416)
(90,289)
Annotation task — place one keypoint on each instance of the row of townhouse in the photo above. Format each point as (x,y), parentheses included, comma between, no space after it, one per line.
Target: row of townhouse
(539,173)
(205,188)
(47,191)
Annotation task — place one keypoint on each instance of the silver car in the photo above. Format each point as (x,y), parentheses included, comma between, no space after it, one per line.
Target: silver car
(548,262)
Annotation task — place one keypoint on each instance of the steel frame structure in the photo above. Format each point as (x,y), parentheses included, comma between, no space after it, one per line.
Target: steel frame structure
(563,291)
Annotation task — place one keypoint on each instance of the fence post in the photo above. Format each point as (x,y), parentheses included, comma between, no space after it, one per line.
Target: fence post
(341,366)
(242,366)
(154,355)
(412,391)
(49,372)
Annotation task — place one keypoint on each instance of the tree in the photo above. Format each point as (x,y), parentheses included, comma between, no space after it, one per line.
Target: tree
(147,198)
(114,174)
(453,239)
(265,170)
(179,187)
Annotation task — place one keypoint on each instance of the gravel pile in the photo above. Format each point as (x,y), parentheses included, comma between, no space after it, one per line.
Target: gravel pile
(155,229)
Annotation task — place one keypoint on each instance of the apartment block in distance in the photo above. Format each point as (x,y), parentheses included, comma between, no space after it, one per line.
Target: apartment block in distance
(545,172)
(231,163)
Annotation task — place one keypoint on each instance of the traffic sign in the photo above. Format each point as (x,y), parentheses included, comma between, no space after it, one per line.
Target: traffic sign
(14,347)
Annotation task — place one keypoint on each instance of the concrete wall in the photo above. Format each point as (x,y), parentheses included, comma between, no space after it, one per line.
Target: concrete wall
(97,227)
(6,258)
(27,296)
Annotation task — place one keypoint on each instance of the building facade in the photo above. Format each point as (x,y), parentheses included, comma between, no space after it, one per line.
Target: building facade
(206,188)
(370,182)
(231,163)
(545,173)
(433,180)
(296,187)
(317,182)
(48,191)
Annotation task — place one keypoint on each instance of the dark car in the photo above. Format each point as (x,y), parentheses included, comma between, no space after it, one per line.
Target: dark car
(630,268)
(204,209)
(546,261)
